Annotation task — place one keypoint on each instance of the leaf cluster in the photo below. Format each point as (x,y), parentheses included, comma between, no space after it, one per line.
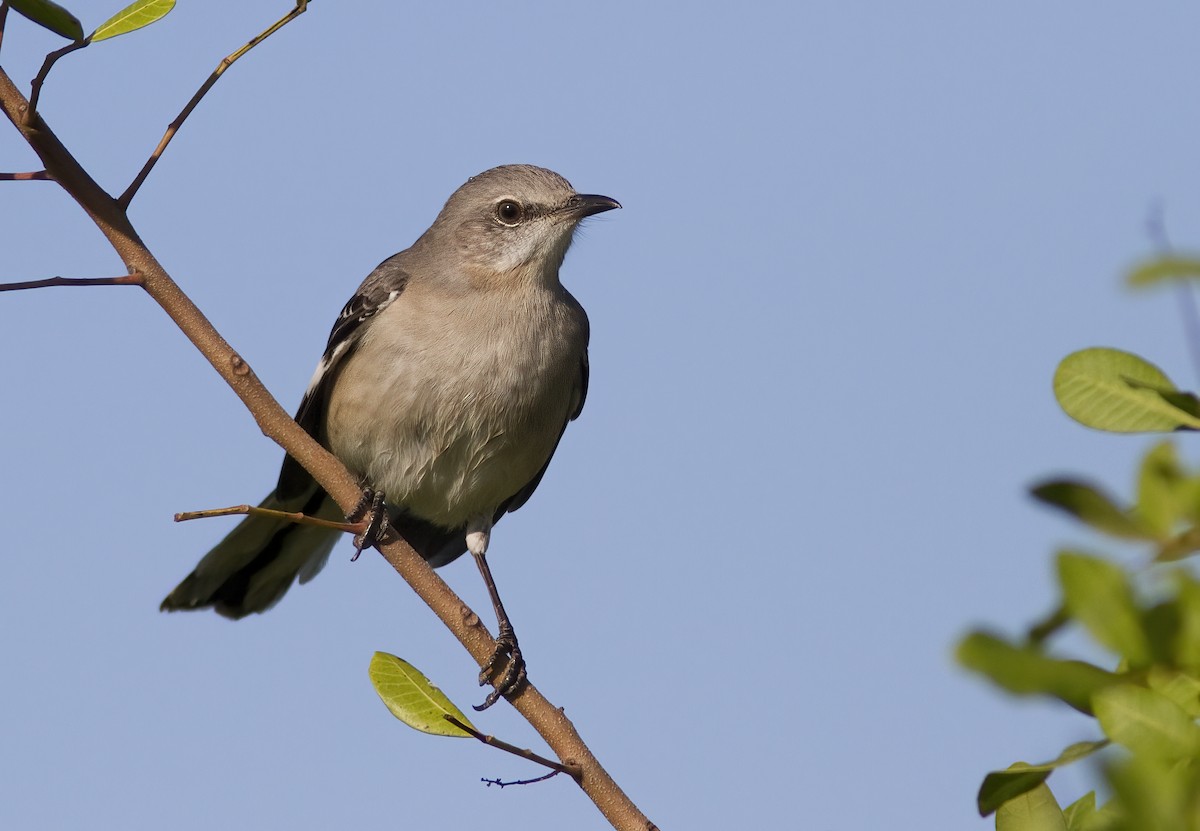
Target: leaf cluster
(1146,700)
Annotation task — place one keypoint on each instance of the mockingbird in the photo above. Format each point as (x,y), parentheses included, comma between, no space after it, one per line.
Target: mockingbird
(446,385)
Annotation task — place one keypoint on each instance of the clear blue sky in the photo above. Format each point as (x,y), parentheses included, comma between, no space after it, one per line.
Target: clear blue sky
(857,238)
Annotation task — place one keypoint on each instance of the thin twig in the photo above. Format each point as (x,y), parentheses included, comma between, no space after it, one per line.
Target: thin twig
(290,516)
(174,126)
(502,784)
(33,175)
(1156,228)
(35,89)
(3,18)
(123,280)
(570,770)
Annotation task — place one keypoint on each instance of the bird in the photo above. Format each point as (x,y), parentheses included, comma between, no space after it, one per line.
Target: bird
(445,387)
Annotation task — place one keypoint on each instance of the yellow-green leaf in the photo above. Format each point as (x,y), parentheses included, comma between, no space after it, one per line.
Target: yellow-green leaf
(1000,786)
(412,698)
(50,15)
(1146,722)
(1091,505)
(1036,810)
(1098,595)
(1027,671)
(1108,389)
(1164,269)
(133,17)
(1160,482)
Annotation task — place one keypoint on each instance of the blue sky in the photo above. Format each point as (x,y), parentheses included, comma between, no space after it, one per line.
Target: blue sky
(856,240)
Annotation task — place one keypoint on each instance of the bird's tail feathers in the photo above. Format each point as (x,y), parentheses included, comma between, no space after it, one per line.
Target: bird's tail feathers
(254,566)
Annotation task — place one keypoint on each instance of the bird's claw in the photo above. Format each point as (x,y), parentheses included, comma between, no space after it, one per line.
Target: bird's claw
(514,673)
(370,508)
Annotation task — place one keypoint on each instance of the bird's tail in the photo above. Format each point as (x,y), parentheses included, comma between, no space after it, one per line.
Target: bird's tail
(256,563)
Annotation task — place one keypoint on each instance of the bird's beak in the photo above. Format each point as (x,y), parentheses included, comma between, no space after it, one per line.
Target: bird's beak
(589,204)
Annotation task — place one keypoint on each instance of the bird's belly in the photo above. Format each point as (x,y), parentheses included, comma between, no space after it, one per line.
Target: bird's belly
(447,452)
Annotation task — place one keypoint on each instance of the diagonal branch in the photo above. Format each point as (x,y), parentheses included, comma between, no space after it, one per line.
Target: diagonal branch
(110,217)
(174,126)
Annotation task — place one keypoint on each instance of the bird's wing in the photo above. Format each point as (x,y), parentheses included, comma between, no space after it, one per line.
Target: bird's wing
(377,292)
(522,496)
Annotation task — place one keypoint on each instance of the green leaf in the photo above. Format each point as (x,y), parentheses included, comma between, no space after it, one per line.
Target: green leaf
(1079,812)
(1159,504)
(133,17)
(1181,687)
(1153,793)
(1036,810)
(1164,269)
(999,786)
(1091,506)
(1108,389)
(412,698)
(1097,594)
(1187,635)
(1146,722)
(50,15)
(1026,671)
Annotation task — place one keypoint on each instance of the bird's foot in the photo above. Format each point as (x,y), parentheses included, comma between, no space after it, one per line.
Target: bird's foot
(373,512)
(514,673)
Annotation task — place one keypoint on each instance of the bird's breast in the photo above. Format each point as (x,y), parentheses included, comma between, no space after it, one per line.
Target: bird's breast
(451,410)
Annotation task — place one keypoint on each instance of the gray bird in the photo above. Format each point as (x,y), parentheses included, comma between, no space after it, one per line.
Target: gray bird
(445,387)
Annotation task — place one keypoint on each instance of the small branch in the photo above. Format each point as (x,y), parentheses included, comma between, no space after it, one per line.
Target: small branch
(124,280)
(173,128)
(35,90)
(3,18)
(32,175)
(570,770)
(502,784)
(290,516)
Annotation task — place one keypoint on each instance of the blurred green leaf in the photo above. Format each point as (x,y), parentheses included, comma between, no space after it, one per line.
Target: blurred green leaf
(1154,794)
(1146,722)
(1089,505)
(1036,810)
(1081,813)
(412,698)
(1164,269)
(1159,478)
(1161,625)
(1178,547)
(1187,634)
(1025,671)
(1180,687)
(50,15)
(999,786)
(1108,389)
(1097,594)
(133,17)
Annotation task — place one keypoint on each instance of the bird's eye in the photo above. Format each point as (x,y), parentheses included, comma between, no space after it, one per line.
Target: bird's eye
(509,212)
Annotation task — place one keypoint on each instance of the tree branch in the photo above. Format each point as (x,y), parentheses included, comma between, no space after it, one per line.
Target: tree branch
(174,126)
(110,217)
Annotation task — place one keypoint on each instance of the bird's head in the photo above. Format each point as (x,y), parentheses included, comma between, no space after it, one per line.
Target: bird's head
(515,222)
